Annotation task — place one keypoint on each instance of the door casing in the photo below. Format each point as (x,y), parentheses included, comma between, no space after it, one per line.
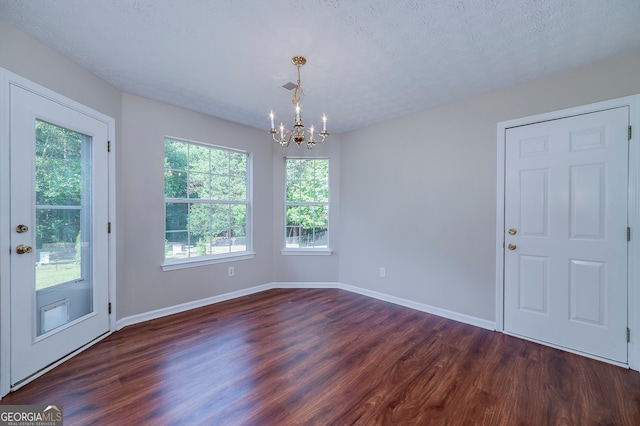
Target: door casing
(633,273)
(6,79)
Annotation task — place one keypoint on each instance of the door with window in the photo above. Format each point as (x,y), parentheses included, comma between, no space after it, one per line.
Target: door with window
(566,232)
(59,238)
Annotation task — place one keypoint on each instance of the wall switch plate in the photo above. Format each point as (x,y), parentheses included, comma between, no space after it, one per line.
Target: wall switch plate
(232,271)
(383,272)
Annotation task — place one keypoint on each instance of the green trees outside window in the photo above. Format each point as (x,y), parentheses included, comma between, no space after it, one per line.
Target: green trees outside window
(307,203)
(206,200)
(62,164)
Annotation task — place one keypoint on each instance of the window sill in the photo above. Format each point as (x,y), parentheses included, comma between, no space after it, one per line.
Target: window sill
(192,263)
(306,252)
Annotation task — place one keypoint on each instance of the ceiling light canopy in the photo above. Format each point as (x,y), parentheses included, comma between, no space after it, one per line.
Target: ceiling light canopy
(298,133)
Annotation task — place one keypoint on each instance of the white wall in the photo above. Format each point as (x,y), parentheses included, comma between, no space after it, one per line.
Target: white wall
(419,193)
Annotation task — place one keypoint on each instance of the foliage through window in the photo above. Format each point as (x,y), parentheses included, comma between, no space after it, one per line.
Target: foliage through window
(307,203)
(207,206)
(63,163)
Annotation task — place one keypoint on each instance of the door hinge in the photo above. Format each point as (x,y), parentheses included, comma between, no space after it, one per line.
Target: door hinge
(108,227)
(629,133)
(109,146)
(110,308)
(628,233)
(628,335)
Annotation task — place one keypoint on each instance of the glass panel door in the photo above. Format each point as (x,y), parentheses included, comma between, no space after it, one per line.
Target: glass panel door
(63,226)
(59,191)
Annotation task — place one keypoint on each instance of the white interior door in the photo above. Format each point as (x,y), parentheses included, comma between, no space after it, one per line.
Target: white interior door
(59,242)
(565,277)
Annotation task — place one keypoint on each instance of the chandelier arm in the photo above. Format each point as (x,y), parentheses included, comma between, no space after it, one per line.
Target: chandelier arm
(285,137)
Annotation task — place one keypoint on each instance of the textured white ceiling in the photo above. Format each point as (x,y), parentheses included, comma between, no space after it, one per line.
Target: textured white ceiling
(368,60)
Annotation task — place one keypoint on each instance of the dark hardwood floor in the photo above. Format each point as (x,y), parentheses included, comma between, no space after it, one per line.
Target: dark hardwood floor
(328,357)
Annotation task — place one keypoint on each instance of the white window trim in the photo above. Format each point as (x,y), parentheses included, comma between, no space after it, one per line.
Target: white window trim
(306,252)
(203,261)
(311,251)
(172,265)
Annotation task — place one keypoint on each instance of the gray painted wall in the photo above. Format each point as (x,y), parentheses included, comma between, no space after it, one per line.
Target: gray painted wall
(29,58)
(415,195)
(141,126)
(145,123)
(419,193)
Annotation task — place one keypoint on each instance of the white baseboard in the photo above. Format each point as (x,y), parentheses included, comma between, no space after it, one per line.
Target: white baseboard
(163,312)
(306,285)
(158,313)
(444,313)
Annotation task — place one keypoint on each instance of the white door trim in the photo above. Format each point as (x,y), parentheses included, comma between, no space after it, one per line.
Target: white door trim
(633,102)
(6,79)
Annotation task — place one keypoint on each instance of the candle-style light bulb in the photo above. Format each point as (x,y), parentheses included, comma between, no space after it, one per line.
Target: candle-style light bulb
(297,112)
(271,116)
(281,131)
(311,129)
(324,122)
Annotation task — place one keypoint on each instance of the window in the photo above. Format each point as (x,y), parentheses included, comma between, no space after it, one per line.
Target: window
(307,204)
(207,202)
(63,171)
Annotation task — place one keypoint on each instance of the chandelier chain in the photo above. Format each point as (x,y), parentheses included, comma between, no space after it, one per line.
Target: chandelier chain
(297,92)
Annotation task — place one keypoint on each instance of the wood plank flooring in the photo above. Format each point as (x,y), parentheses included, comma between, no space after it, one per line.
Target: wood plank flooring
(328,357)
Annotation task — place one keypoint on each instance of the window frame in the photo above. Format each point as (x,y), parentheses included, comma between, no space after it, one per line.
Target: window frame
(308,251)
(210,259)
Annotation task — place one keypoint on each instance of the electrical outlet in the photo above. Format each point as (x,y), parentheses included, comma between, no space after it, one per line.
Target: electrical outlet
(232,271)
(383,272)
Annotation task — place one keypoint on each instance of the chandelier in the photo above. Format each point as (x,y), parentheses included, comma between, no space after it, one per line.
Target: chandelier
(284,136)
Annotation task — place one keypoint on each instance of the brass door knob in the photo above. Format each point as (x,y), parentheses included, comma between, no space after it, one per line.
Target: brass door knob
(511,246)
(22,249)
(20,229)
(512,231)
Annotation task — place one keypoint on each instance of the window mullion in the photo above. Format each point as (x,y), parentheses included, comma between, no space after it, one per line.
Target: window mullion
(307,203)
(205,201)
